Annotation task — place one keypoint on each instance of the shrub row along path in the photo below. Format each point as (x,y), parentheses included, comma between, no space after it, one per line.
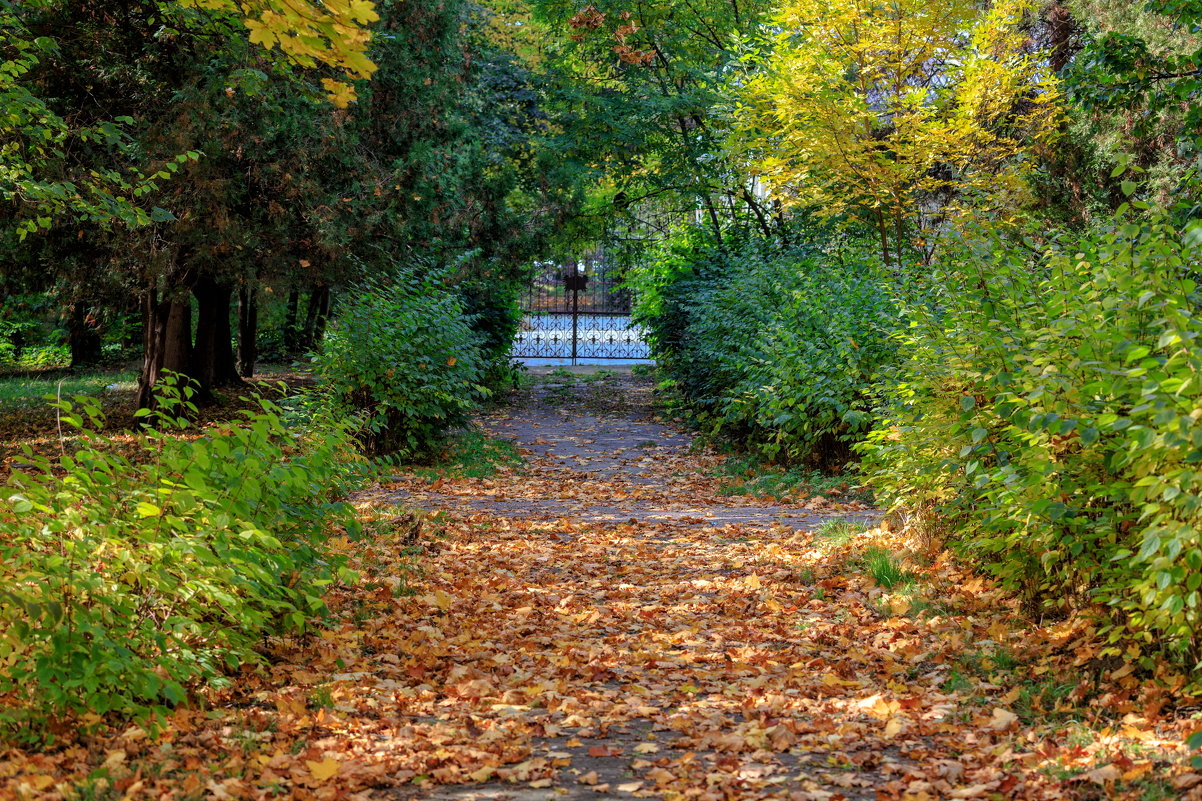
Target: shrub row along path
(600,622)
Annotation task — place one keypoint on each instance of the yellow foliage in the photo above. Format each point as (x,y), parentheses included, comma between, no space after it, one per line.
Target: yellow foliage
(310,32)
(910,115)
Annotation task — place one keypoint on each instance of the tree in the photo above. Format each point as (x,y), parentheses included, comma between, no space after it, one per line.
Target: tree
(640,92)
(1134,75)
(438,158)
(43,184)
(909,116)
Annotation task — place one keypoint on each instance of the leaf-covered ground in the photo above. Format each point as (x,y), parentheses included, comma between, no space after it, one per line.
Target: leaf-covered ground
(695,645)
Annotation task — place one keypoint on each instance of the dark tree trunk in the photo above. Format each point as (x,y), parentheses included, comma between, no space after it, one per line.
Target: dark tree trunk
(82,337)
(1063,36)
(290,331)
(315,317)
(323,316)
(248,331)
(213,363)
(167,341)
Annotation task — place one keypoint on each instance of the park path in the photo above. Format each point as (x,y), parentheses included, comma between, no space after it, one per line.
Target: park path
(597,450)
(602,623)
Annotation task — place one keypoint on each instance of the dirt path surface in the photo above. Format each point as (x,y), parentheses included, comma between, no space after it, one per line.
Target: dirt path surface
(601,621)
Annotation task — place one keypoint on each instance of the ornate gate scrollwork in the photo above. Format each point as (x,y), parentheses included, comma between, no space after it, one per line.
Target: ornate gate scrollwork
(579,312)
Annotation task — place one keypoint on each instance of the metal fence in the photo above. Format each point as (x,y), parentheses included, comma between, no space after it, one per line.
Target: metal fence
(581,315)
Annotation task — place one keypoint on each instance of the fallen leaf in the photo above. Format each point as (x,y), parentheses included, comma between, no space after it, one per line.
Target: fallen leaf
(1002,719)
(1187,781)
(603,751)
(325,769)
(1103,775)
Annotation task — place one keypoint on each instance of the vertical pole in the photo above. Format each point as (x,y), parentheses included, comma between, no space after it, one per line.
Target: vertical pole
(575,315)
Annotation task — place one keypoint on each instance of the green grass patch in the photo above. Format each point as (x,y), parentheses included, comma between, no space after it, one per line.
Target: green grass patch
(470,454)
(30,391)
(749,475)
(838,531)
(885,568)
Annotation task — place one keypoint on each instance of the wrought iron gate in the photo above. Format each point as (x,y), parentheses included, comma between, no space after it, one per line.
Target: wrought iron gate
(579,314)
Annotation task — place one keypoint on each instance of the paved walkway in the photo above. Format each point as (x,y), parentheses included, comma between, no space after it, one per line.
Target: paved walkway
(642,576)
(597,450)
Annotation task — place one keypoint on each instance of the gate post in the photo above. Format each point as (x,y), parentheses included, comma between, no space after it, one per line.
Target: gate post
(575,319)
(574,282)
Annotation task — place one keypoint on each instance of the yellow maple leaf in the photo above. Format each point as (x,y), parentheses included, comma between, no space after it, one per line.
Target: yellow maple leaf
(325,769)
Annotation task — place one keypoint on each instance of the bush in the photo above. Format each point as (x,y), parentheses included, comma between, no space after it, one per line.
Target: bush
(1051,407)
(774,350)
(125,578)
(402,352)
(493,309)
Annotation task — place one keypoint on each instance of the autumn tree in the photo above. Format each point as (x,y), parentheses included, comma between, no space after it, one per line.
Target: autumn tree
(908,116)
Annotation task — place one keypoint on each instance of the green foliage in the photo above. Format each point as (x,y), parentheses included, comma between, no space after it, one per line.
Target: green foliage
(1052,406)
(774,349)
(645,98)
(1137,85)
(33,174)
(495,314)
(127,578)
(402,352)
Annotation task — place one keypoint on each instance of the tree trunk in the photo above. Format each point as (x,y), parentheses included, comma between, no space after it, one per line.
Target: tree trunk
(323,316)
(167,341)
(82,337)
(290,331)
(881,228)
(709,206)
(248,331)
(315,317)
(213,363)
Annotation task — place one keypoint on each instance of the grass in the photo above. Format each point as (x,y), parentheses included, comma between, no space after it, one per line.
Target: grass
(18,393)
(885,568)
(471,454)
(835,532)
(748,475)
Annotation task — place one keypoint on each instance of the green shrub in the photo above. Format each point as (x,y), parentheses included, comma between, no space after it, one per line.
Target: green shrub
(1051,407)
(125,578)
(492,307)
(774,350)
(402,352)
